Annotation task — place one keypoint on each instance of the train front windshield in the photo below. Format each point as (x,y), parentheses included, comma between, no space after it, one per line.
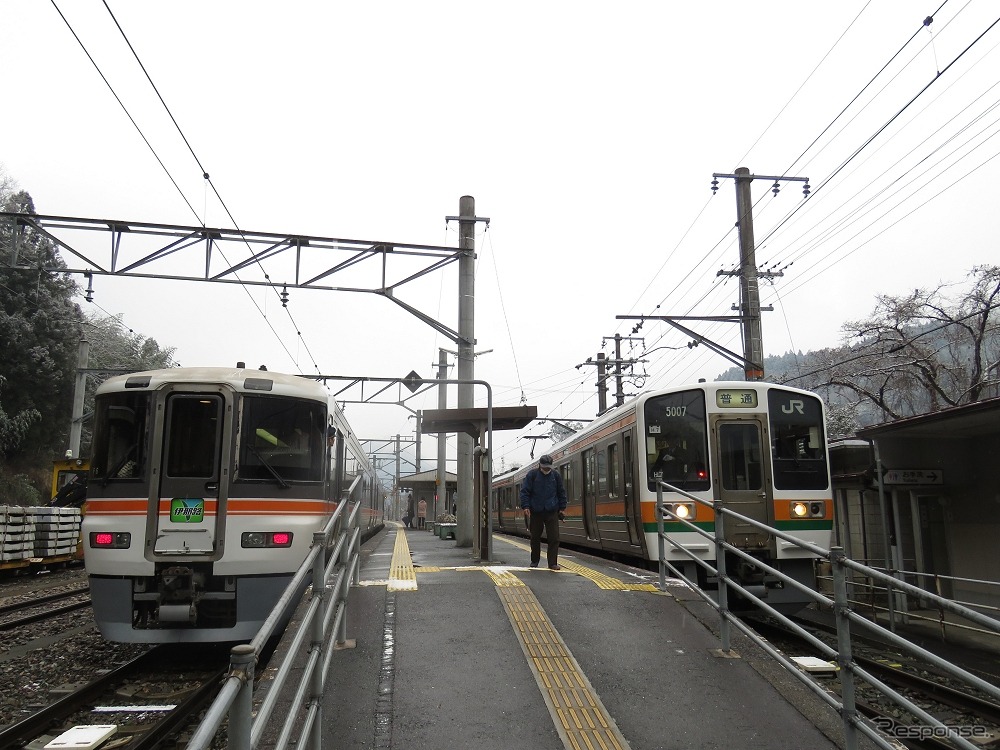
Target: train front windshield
(121,437)
(798,442)
(282,440)
(677,441)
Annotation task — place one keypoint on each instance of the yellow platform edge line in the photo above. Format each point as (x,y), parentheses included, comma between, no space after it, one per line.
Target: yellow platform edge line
(603,581)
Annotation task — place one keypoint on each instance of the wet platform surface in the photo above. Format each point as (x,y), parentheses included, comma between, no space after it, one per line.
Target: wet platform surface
(449,653)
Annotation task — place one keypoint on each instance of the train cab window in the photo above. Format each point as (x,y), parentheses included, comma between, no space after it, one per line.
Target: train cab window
(283,439)
(677,441)
(121,439)
(798,442)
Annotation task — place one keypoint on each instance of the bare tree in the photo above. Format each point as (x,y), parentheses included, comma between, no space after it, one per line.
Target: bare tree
(921,352)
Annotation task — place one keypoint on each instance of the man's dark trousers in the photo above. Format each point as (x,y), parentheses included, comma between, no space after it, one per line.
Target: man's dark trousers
(548,520)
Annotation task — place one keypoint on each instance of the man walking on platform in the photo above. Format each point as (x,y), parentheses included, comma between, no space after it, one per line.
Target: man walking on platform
(543,499)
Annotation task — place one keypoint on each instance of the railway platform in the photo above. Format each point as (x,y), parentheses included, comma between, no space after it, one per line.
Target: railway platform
(445,652)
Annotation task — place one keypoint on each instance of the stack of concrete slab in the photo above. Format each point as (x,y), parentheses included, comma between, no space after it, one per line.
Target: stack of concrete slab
(17,533)
(57,531)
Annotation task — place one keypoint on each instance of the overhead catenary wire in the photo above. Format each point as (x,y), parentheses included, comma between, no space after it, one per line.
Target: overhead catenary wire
(173,181)
(208,180)
(871,138)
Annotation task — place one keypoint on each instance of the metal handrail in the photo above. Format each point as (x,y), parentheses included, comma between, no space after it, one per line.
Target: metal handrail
(854,723)
(334,562)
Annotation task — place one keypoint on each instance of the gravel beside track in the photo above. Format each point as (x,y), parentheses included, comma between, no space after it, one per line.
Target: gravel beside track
(40,661)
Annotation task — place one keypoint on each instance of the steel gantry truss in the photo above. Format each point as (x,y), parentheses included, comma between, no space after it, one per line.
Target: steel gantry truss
(232,256)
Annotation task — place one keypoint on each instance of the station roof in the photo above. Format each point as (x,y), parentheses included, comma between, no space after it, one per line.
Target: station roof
(969,420)
(473,421)
(427,476)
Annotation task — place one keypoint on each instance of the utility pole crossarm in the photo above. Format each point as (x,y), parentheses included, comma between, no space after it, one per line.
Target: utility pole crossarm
(774,188)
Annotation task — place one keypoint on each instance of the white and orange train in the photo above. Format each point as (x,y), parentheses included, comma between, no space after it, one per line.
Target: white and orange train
(758,448)
(205,488)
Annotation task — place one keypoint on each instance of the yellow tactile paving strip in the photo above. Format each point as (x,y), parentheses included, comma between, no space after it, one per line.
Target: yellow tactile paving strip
(401,575)
(577,712)
(580,718)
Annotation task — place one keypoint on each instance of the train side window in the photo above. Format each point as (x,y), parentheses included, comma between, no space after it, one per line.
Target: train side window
(569,482)
(614,479)
(589,488)
(602,473)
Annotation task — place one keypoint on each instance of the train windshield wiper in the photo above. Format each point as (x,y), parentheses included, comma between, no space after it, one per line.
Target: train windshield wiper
(270,468)
(116,472)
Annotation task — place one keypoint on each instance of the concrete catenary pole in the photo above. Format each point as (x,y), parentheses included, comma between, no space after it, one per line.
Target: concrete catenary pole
(441,504)
(753,340)
(466,364)
(602,384)
(76,426)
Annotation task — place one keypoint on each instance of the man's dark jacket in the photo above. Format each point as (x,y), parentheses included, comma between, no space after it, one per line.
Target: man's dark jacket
(543,494)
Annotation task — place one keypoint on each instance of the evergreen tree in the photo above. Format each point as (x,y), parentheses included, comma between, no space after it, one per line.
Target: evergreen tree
(39,329)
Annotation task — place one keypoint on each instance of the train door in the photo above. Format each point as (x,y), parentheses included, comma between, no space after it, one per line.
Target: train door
(195,440)
(743,479)
(589,492)
(633,514)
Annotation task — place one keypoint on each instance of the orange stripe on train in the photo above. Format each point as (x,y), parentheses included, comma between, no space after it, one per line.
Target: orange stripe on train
(257,507)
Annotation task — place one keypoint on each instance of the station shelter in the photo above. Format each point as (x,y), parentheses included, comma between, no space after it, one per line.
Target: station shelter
(424,485)
(935,515)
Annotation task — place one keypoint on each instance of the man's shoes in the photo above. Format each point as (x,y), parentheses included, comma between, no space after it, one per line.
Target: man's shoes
(555,567)
(534,565)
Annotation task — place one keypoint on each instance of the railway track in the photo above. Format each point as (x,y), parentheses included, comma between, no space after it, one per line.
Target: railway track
(975,716)
(40,608)
(149,700)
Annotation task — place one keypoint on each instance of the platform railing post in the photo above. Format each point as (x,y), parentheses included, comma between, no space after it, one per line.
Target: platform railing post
(318,627)
(660,545)
(347,551)
(722,575)
(241,660)
(845,659)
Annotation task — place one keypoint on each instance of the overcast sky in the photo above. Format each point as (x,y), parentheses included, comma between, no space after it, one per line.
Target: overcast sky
(588,134)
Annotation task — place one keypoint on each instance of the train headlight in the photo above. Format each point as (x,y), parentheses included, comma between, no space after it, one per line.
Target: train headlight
(684,511)
(257,539)
(110,540)
(811,509)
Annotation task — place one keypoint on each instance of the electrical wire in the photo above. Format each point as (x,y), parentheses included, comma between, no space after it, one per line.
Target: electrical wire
(160,161)
(208,180)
